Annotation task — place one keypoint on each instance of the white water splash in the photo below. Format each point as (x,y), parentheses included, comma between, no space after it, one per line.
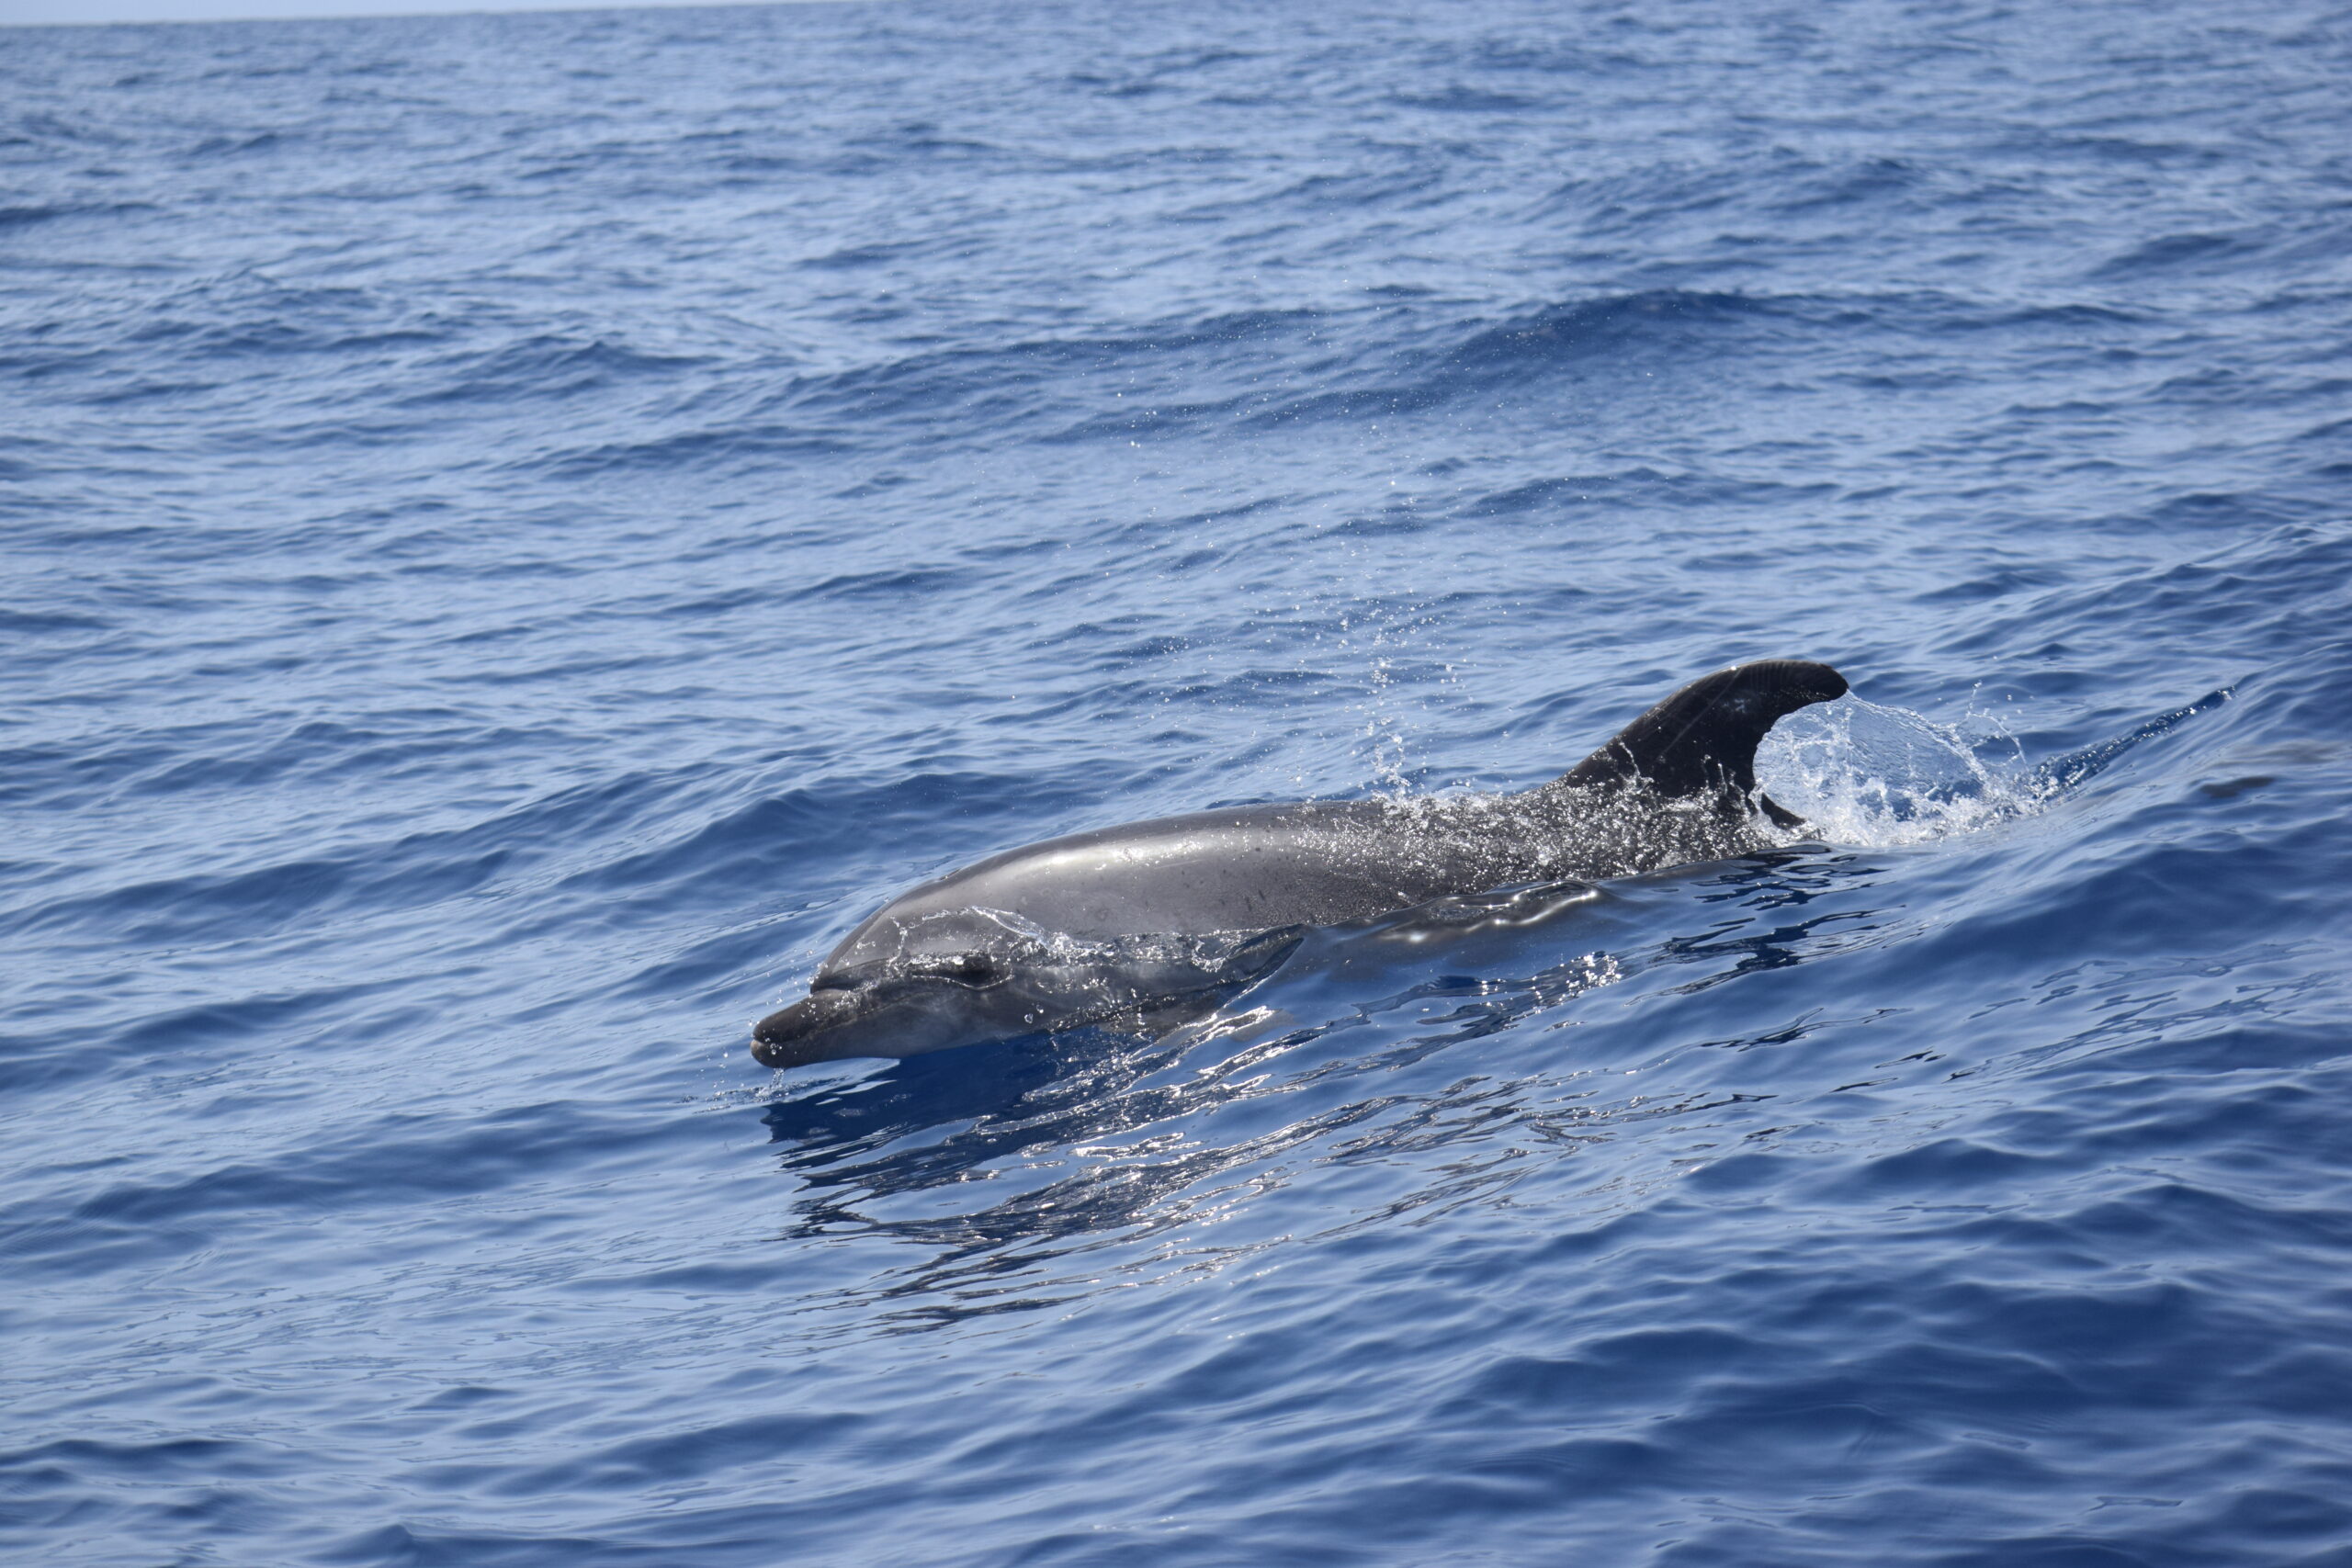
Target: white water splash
(1860,773)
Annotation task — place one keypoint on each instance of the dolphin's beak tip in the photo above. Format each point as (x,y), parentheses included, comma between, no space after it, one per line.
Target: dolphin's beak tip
(770,1034)
(783,1038)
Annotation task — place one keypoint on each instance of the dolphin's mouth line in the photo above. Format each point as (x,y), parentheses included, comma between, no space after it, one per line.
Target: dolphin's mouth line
(836,1001)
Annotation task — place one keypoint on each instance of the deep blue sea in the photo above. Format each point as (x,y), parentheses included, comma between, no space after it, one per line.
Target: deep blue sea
(517,532)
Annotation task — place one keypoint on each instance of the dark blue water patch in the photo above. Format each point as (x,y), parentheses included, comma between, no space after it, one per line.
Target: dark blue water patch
(2175,250)
(1464,100)
(551,367)
(1639,488)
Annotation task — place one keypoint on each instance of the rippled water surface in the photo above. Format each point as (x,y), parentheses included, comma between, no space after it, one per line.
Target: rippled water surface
(520,530)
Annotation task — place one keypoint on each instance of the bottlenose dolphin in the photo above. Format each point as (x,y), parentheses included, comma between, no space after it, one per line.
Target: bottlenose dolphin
(1183,911)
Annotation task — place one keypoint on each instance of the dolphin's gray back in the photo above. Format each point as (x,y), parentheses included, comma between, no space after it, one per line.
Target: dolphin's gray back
(1673,787)
(1243,869)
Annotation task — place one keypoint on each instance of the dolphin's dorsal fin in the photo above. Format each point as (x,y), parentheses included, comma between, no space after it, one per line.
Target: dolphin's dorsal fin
(1702,741)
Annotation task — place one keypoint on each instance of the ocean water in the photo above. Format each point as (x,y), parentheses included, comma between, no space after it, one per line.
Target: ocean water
(516,533)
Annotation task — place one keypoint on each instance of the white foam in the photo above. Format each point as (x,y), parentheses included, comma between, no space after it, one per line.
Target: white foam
(1860,773)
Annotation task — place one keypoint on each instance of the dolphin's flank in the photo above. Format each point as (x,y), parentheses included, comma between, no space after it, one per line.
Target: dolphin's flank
(1162,916)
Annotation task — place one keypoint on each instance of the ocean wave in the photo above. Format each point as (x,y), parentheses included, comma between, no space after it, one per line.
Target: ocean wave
(524,529)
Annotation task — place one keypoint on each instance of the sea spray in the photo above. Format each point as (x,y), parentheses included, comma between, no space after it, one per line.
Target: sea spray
(1862,774)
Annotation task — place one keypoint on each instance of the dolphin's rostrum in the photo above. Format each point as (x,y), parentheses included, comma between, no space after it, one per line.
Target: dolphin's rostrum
(1183,910)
